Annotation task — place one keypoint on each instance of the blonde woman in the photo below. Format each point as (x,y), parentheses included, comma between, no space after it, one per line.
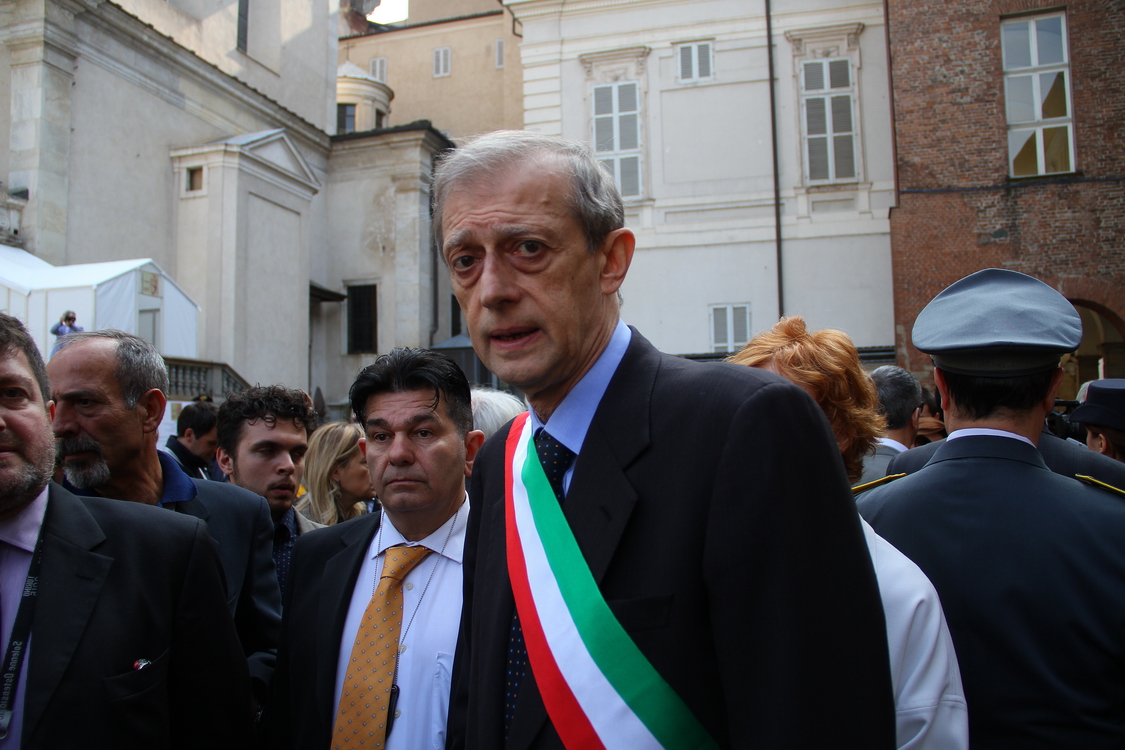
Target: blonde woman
(336,476)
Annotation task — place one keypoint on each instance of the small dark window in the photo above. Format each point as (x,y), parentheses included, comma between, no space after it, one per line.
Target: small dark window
(454,316)
(379,119)
(195,178)
(363,319)
(243,23)
(345,118)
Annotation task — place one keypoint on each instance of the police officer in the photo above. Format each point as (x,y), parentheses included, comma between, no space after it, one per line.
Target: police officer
(1028,563)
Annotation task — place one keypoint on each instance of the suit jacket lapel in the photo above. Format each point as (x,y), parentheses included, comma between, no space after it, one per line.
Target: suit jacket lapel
(337,583)
(70,581)
(601,498)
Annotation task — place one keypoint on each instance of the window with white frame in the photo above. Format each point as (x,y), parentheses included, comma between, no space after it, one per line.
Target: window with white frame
(828,116)
(441,62)
(694,62)
(730,327)
(378,69)
(1037,95)
(617,134)
(499,53)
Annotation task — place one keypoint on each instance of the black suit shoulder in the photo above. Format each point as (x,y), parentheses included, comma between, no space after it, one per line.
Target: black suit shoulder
(322,576)
(121,582)
(240,525)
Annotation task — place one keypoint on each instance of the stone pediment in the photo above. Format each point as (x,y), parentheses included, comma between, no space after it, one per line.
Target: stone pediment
(274,148)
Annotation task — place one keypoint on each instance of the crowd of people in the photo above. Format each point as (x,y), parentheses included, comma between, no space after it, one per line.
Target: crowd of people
(778,551)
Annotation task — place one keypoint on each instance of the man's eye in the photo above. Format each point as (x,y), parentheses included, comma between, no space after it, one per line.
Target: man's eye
(463,262)
(10,394)
(425,433)
(530,247)
(378,437)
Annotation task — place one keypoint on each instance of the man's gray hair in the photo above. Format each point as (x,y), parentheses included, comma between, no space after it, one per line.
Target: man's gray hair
(492,409)
(594,199)
(899,395)
(139,368)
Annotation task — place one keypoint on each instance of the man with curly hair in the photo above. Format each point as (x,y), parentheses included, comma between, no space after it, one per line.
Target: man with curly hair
(263,437)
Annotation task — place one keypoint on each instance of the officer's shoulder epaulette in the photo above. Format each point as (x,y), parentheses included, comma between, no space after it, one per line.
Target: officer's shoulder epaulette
(1099,483)
(877,483)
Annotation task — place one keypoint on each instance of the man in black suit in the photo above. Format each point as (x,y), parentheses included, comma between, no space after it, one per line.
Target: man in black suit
(747,613)
(108,392)
(128,642)
(415,409)
(1028,563)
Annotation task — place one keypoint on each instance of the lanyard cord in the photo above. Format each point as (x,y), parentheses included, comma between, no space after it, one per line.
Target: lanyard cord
(17,644)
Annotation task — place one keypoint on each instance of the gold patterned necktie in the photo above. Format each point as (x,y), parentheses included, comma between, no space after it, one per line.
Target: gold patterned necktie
(361,720)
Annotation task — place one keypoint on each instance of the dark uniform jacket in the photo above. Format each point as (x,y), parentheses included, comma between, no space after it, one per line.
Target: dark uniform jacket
(1030,568)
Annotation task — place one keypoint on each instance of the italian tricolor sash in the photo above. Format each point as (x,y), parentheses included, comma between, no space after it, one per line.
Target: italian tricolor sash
(599,689)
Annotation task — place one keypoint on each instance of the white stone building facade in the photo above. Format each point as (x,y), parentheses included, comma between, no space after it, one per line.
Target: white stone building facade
(675,96)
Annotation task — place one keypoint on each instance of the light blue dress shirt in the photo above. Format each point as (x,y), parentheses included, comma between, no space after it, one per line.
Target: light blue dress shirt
(572,418)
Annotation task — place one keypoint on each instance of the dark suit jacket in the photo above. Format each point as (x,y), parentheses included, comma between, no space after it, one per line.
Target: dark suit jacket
(301,713)
(1061,456)
(735,563)
(1030,568)
(241,527)
(120,582)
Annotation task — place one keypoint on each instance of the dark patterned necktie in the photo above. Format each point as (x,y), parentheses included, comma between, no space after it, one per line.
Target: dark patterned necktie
(556,458)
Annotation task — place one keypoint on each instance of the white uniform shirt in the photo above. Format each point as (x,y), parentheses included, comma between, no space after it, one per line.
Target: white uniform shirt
(431,618)
(930,709)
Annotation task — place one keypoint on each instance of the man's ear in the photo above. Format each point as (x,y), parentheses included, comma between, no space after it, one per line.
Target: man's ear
(153,402)
(226,461)
(189,435)
(618,250)
(474,439)
(1056,381)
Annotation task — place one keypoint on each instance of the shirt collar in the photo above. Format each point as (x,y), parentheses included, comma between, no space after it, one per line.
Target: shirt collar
(178,486)
(571,420)
(891,443)
(22,529)
(987,432)
(389,536)
(289,521)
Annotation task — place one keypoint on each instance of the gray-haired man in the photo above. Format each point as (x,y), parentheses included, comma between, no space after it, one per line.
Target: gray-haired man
(108,388)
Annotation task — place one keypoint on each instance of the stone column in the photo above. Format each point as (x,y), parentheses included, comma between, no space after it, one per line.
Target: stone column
(43,50)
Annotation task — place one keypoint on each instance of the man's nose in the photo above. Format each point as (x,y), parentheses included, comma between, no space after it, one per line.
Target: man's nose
(401,451)
(62,420)
(497,282)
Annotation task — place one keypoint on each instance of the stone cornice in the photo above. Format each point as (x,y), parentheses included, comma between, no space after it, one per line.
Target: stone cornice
(802,39)
(141,38)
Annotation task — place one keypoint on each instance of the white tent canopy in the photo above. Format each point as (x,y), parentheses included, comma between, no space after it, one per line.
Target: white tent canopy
(135,296)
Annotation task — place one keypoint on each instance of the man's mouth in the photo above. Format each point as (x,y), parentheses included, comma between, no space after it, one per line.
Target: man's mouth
(510,334)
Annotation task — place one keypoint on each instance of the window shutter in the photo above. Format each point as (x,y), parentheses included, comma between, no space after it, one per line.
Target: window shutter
(378,69)
(719,329)
(839,74)
(687,69)
(740,324)
(630,175)
(704,60)
(814,76)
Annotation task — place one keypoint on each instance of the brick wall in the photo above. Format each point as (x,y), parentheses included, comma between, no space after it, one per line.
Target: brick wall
(958,210)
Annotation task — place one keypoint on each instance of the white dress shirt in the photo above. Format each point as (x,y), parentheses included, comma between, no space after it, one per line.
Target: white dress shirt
(892,443)
(930,708)
(431,618)
(987,432)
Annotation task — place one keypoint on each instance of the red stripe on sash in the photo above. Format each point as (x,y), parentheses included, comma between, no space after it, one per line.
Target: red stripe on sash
(566,714)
